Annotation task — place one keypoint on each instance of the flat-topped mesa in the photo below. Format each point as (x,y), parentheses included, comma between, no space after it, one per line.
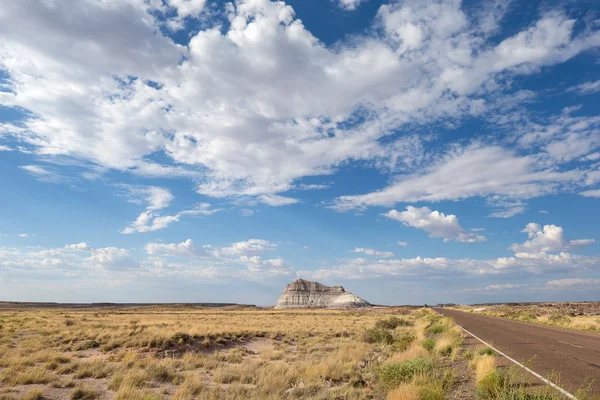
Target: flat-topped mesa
(307,294)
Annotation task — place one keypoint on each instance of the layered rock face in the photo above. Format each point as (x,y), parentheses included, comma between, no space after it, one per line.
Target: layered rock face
(307,294)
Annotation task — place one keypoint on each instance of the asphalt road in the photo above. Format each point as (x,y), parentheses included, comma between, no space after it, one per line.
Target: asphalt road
(573,355)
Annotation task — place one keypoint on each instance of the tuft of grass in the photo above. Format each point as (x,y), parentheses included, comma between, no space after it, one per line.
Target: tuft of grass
(392,323)
(376,335)
(96,369)
(435,329)
(33,394)
(406,391)
(21,375)
(483,365)
(403,342)
(394,375)
(81,393)
(429,344)
(486,351)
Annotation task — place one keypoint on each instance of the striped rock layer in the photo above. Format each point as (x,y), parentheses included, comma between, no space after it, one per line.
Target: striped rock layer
(307,294)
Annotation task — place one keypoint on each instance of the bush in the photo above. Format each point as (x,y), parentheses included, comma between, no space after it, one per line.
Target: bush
(403,342)
(435,329)
(559,319)
(429,344)
(394,375)
(378,336)
(181,338)
(392,323)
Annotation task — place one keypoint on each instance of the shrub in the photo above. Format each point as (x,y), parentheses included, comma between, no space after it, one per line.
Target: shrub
(435,329)
(181,338)
(559,319)
(429,344)
(378,336)
(403,342)
(392,323)
(395,374)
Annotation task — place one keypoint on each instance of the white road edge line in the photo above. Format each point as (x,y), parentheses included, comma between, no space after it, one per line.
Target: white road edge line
(546,381)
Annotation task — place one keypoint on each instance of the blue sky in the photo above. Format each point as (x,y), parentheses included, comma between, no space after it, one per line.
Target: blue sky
(197,150)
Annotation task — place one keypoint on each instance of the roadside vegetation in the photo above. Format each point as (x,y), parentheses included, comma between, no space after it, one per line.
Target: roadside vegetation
(579,316)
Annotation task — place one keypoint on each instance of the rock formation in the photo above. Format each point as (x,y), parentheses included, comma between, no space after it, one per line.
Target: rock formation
(307,294)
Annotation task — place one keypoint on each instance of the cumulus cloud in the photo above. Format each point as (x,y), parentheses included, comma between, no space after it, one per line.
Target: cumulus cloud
(112,258)
(248,248)
(547,239)
(5,148)
(78,246)
(437,224)
(183,249)
(222,110)
(154,197)
(371,252)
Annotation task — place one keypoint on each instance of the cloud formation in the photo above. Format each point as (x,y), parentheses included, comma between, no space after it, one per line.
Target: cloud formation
(371,252)
(221,109)
(437,224)
(547,239)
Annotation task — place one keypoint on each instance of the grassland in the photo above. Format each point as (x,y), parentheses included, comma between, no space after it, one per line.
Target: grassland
(188,353)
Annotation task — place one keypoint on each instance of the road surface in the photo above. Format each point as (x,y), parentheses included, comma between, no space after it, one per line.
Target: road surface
(574,355)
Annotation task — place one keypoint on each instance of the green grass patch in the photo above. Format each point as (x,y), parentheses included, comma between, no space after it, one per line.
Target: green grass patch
(394,375)
(429,344)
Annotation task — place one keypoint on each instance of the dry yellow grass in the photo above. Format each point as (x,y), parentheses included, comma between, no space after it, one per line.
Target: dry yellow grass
(483,365)
(189,353)
(408,391)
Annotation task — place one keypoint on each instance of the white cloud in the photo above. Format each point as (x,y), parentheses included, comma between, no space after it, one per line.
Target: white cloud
(437,224)
(403,244)
(5,148)
(35,170)
(112,258)
(78,246)
(591,193)
(155,197)
(581,242)
(371,252)
(23,235)
(184,249)
(349,4)
(586,88)
(149,221)
(246,212)
(491,172)
(248,248)
(547,239)
(427,268)
(496,287)
(222,109)
(577,282)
